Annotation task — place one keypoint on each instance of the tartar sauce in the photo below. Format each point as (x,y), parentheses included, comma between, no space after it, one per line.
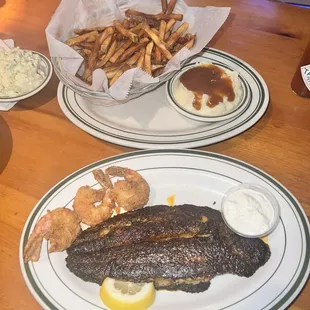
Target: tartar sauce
(19,72)
(248,212)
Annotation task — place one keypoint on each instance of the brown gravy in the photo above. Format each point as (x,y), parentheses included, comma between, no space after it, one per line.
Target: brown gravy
(210,80)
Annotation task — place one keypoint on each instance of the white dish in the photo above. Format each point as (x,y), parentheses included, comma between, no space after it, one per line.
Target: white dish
(260,193)
(195,177)
(171,87)
(150,122)
(46,67)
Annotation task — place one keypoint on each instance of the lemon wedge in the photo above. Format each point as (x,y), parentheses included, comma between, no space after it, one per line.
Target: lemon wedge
(121,295)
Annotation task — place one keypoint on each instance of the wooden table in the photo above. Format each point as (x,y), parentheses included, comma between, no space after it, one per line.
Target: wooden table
(39,145)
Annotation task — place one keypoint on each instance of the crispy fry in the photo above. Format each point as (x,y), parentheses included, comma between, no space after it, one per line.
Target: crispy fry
(155,67)
(185,39)
(169,28)
(126,23)
(174,37)
(108,55)
(141,58)
(155,31)
(91,63)
(120,50)
(83,37)
(136,28)
(170,24)
(164,5)
(189,44)
(106,44)
(133,59)
(160,43)
(92,38)
(131,13)
(121,70)
(86,51)
(126,33)
(134,48)
(147,58)
(171,6)
(87,45)
(162,31)
(111,71)
(86,30)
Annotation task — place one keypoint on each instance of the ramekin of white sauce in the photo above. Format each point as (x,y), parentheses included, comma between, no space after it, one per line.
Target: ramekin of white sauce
(250,210)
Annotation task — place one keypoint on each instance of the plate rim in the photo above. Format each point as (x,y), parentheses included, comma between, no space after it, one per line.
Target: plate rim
(124,140)
(289,296)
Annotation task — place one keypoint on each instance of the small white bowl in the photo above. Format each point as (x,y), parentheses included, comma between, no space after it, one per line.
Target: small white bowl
(47,68)
(170,92)
(261,190)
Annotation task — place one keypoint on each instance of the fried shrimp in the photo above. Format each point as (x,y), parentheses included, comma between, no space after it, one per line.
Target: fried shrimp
(60,226)
(93,206)
(130,193)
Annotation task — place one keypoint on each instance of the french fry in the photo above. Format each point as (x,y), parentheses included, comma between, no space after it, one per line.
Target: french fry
(121,70)
(112,68)
(171,6)
(132,13)
(160,43)
(185,39)
(86,51)
(83,37)
(87,45)
(134,48)
(112,71)
(91,63)
(120,51)
(189,44)
(92,38)
(108,55)
(155,31)
(133,59)
(175,35)
(86,30)
(164,5)
(125,32)
(136,28)
(147,58)
(155,67)
(126,23)
(106,44)
(141,58)
(162,30)
(169,28)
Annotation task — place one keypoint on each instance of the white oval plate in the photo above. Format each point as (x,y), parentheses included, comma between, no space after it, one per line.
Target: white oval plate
(194,177)
(240,107)
(47,68)
(150,122)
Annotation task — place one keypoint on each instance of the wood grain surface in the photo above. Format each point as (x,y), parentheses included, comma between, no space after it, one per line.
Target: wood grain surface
(39,145)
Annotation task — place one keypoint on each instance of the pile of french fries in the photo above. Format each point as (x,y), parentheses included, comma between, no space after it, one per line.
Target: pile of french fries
(147,41)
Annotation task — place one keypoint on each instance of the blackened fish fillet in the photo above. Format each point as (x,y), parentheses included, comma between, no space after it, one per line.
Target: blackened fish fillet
(180,248)
(148,224)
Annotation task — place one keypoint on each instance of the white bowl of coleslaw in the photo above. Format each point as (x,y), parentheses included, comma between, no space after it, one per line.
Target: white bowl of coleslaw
(23,73)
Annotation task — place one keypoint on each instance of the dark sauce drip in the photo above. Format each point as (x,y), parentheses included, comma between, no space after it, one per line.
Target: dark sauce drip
(210,80)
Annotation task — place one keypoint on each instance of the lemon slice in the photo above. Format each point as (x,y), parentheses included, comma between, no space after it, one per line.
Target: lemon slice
(121,295)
